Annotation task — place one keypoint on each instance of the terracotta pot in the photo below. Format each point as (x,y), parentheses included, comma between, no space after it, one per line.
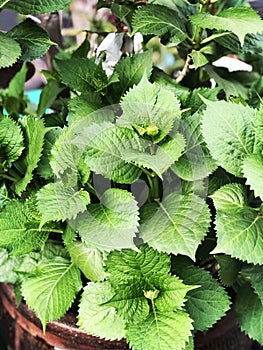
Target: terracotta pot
(22,330)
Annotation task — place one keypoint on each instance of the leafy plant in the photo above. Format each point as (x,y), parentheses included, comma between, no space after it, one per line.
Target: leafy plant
(141,193)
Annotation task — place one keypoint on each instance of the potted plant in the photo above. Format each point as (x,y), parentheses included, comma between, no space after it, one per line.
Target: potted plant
(138,197)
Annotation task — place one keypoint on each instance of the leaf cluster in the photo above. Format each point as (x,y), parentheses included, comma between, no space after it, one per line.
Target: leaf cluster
(140,194)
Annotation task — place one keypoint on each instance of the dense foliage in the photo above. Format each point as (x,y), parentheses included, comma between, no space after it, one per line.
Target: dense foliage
(140,193)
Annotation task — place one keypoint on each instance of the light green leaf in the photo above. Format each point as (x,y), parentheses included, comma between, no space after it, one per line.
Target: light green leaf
(43,291)
(20,232)
(150,108)
(95,316)
(112,224)
(8,266)
(130,71)
(37,6)
(82,74)
(129,300)
(255,275)
(228,269)
(172,292)
(161,21)
(249,311)
(55,202)
(253,170)
(106,145)
(166,154)
(34,40)
(229,135)
(160,331)
(239,227)
(178,224)
(4,197)
(206,304)
(126,263)
(239,20)
(229,197)
(34,130)
(11,140)
(199,59)
(65,156)
(10,51)
(89,261)
(196,162)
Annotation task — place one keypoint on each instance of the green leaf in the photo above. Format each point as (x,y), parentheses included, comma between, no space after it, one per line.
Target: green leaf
(166,154)
(150,106)
(159,331)
(161,21)
(199,59)
(196,162)
(20,232)
(239,20)
(239,227)
(44,168)
(85,106)
(253,170)
(82,50)
(206,304)
(130,71)
(229,136)
(249,313)
(115,218)
(34,130)
(65,156)
(231,86)
(126,263)
(83,74)
(95,316)
(55,202)
(178,224)
(16,85)
(10,51)
(48,95)
(36,6)
(34,40)
(43,291)
(254,275)
(8,266)
(11,140)
(172,292)
(228,269)
(89,261)
(129,300)
(4,198)
(106,146)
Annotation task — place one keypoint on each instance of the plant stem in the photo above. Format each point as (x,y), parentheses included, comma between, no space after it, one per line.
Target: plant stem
(199,30)
(14,174)
(4,3)
(155,187)
(7,177)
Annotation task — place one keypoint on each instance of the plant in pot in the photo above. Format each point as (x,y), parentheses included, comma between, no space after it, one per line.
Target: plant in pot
(139,195)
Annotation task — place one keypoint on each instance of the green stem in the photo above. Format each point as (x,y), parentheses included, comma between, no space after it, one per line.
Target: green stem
(7,177)
(14,174)
(199,30)
(155,188)
(4,3)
